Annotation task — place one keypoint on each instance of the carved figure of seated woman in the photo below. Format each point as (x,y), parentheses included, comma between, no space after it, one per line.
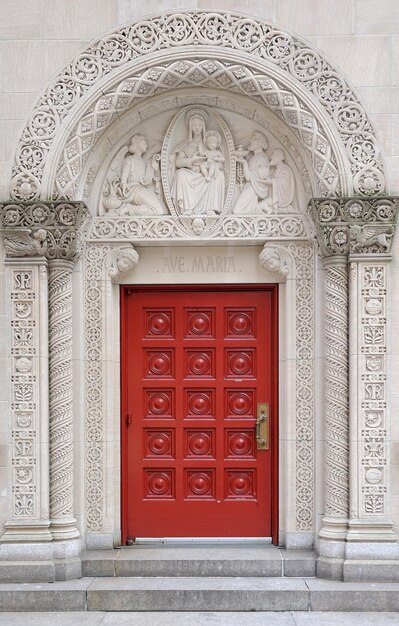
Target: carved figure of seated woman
(137,177)
(193,191)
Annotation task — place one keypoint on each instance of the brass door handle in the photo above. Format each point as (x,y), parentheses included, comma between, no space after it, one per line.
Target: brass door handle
(262,426)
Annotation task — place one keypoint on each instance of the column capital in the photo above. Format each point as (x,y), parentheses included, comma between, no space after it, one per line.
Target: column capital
(359,225)
(46,229)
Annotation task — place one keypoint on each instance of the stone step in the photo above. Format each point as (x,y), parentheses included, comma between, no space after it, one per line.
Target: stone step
(172,560)
(199,594)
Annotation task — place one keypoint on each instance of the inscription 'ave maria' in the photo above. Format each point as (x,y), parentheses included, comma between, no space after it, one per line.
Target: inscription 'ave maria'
(198,264)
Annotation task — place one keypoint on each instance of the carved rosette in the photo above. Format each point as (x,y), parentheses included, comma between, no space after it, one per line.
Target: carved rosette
(95,265)
(361,229)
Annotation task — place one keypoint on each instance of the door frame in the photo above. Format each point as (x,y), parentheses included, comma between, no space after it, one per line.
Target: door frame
(125,291)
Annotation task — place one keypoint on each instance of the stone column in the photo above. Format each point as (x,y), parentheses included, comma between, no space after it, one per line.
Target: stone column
(40,241)
(361,230)
(336,396)
(63,523)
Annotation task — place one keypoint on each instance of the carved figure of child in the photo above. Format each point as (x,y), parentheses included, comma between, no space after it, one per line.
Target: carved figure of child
(214,156)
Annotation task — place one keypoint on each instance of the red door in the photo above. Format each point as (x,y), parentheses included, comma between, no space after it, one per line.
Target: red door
(195,365)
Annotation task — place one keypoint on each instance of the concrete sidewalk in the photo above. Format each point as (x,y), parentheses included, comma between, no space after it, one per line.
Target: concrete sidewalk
(199,619)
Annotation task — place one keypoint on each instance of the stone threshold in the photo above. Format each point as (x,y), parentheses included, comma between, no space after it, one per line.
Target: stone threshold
(199,594)
(263,560)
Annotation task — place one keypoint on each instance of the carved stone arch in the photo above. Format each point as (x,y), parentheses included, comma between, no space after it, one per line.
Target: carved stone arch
(222,37)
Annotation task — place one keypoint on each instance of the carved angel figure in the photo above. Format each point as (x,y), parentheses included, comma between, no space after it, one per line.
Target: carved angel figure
(26,243)
(283,183)
(370,235)
(198,183)
(256,173)
(137,176)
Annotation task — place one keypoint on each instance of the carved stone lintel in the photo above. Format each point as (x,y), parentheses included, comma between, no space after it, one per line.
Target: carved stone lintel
(49,229)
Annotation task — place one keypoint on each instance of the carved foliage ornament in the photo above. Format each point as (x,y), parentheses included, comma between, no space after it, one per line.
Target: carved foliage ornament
(108,56)
(356,225)
(49,229)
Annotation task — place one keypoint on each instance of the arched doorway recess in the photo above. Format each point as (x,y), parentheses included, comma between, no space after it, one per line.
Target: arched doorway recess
(237,68)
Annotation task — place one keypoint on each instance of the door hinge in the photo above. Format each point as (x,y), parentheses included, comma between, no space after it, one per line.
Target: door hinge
(128,419)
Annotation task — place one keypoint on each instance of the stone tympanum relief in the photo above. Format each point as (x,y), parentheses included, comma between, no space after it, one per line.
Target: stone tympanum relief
(198,172)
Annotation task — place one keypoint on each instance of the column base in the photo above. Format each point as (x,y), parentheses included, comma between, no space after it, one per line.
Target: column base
(374,530)
(62,530)
(38,563)
(333,533)
(334,529)
(23,532)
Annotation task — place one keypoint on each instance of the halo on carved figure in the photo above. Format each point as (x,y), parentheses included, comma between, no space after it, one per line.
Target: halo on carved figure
(197,169)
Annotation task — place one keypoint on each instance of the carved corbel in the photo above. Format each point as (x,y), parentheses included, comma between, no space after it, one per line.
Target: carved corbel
(275,259)
(120,261)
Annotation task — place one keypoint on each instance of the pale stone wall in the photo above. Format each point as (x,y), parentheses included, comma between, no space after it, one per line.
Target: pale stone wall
(38,37)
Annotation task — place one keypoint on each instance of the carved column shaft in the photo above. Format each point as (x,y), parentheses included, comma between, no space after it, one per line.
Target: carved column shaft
(27,297)
(337,390)
(61,400)
(369,510)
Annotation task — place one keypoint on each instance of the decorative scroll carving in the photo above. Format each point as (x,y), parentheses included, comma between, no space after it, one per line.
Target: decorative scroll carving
(356,225)
(252,38)
(337,389)
(120,261)
(231,227)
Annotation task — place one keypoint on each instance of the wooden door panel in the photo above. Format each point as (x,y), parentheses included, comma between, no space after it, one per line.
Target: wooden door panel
(195,365)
